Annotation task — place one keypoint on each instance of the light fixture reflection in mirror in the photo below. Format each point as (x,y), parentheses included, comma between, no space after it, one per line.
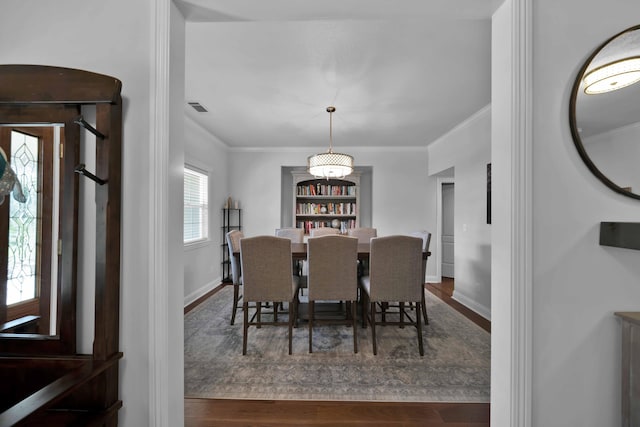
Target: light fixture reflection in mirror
(604,112)
(613,76)
(31,241)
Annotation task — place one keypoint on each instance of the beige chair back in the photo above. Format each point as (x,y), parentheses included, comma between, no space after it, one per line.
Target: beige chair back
(425,236)
(233,244)
(364,234)
(395,269)
(323,231)
(426,241)
(332,268)
(296,235)
(267,273)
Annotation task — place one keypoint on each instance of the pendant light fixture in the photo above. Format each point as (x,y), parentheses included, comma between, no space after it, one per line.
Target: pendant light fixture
(330,165)
(613,76)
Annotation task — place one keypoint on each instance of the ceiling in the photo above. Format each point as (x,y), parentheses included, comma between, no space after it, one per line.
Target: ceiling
(400,73)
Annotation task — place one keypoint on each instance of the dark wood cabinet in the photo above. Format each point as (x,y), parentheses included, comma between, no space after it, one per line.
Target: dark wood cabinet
(630,375)
(45,381)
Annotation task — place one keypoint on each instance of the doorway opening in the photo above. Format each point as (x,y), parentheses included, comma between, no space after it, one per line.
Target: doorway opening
(448,231)
(445,235)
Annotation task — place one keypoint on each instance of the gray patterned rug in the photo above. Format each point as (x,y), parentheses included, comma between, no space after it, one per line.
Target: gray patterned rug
(454,368)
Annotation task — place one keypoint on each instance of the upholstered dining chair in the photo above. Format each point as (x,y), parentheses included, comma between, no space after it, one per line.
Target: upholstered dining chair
(267,276)
(364,235)
(233,244)
(395,276)
(426,241)
(296,235)
(333,277)
(323,231)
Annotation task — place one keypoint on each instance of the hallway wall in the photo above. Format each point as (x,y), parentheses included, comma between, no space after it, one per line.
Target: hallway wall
(467,149)
(577,284)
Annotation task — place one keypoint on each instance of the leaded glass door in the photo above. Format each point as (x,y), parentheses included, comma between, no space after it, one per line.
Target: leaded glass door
(26,284)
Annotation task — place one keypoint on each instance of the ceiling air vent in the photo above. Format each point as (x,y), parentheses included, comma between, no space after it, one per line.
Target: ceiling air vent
(199,108)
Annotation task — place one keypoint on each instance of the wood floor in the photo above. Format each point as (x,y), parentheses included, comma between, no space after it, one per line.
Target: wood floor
(272,413)
(444,291)
(280,413)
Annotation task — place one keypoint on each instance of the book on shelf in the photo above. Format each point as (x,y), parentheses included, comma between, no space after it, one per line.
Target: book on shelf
(320,189)
(309,208)
(308,225)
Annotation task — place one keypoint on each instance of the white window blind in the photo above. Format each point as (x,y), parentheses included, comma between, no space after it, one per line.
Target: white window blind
(196,206)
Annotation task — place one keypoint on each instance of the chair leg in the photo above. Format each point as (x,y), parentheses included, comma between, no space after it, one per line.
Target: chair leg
(291,311)
(354,323)
(401,309)
(419,327)
(372,321)
(363,308)
(311,314)
(245,309)
(296,305)
(275,311)
(236,294)
(259,314)
(424,309)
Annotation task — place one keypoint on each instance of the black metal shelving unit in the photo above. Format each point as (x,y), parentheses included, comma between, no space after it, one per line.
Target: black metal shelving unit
(231,220)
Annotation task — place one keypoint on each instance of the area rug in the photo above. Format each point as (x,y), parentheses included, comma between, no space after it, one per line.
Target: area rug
(455,366)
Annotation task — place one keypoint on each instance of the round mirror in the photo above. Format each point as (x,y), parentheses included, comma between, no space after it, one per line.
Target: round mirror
(604,113)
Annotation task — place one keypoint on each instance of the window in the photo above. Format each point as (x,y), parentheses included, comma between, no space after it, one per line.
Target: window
(31,236)
(23,221)
(196,205)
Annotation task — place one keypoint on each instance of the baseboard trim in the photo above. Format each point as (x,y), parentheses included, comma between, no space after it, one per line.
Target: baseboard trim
(434,279)
(198,293)
(472,304)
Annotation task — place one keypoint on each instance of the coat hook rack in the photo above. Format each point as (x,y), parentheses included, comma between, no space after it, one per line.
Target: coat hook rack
(82,171)
(82,122)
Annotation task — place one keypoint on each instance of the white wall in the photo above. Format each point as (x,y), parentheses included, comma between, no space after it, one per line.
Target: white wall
(87,241)
(101,37)
(577,284)
(403,197)
(202,261)
(467,149)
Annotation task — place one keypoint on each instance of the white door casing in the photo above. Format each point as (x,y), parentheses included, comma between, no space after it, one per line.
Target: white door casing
(437,251)
(448,233)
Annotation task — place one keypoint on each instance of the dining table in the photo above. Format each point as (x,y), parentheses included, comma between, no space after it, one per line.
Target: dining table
(299,251)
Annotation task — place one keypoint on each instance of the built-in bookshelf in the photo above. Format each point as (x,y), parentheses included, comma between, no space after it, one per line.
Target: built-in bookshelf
(325,203)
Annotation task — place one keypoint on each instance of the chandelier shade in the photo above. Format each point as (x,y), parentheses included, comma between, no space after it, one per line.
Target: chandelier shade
(330,164)
(612,76)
